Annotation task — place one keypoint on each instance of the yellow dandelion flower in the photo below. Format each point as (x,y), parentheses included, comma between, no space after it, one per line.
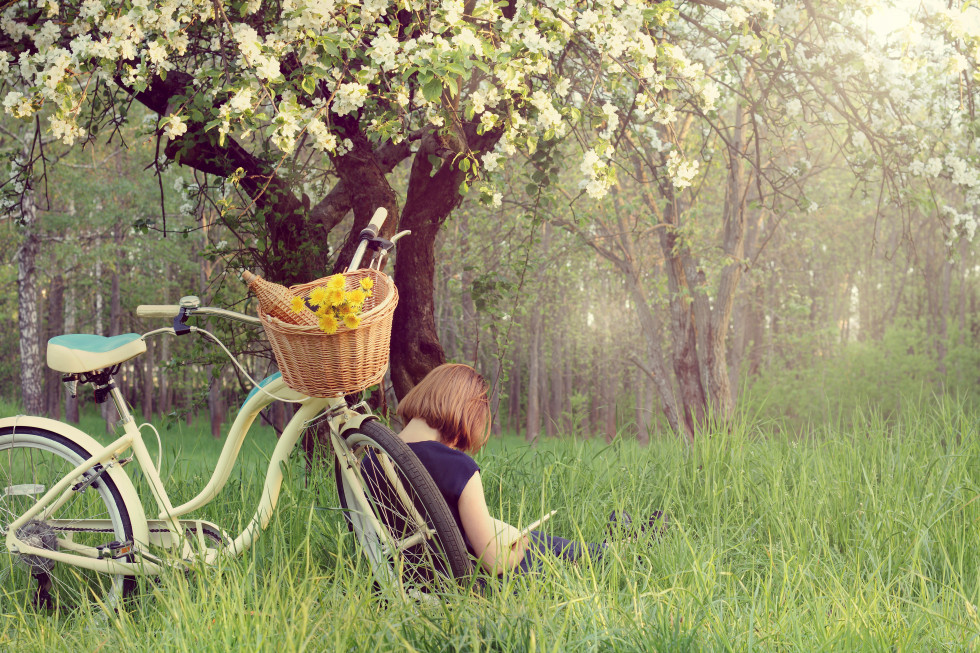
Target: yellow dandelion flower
(367,283)
(351,321)
(297,304)
(336,297)
(328,323)
(336,282)
(356,296)
(319,296)
(346,309)
(322,310)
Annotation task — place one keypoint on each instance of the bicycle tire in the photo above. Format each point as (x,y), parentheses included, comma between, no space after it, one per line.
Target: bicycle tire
(439,561)
(33,459)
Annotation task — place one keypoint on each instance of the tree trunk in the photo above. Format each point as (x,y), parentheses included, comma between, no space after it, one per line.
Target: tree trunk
(557,378)
(942,337)
(533,424)
(496,382)
(644,407)
(471,327)
(56,326)
(514,389)
(215,407)
(28,315)
(71,401)
(148,365)
(163,383)
(115,317)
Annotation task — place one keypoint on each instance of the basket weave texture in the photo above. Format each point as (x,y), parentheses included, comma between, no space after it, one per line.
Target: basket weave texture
(350,360)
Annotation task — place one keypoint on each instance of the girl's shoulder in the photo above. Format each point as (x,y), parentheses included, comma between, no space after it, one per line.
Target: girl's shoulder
(440,451)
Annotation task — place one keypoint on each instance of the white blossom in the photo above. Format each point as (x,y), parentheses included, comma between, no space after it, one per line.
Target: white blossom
(349,97)
(175,127)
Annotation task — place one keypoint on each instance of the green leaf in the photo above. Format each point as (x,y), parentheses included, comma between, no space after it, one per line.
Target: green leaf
(464,165)
(453,89)
(308,85)
(432,91)
(436,164)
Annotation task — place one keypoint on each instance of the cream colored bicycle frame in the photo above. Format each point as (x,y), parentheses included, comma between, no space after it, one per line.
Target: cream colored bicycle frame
(339,416)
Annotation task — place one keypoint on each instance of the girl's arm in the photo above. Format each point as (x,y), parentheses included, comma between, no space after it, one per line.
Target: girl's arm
(491,538)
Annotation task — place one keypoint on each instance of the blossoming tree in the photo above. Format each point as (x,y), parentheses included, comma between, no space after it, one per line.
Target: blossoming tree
(762,92)
(307,106)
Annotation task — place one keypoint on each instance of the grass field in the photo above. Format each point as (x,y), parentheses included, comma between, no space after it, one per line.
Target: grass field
(856,539)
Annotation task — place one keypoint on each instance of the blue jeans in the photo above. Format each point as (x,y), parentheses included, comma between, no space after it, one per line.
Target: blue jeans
(542,545)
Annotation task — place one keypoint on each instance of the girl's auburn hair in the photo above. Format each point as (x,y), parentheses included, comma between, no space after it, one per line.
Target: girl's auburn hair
(452,399)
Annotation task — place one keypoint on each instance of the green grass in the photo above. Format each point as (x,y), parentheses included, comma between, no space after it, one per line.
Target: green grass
(864,539)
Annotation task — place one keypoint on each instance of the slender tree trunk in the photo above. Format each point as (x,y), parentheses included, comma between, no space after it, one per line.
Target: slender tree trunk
(163,383)
(514,391)
(215,405)
(643,407)
(115,318)
(943,332)
(557,377)
(533,425)
(28,314)
(149,363)
(71,401)
(56,326)
(496,382)
(470,320)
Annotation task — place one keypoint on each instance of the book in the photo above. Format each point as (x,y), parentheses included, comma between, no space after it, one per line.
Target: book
(508,535)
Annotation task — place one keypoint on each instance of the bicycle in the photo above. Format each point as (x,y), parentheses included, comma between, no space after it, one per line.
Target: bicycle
(76,530)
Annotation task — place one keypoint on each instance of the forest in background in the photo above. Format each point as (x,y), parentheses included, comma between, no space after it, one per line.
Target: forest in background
(642,217)
(838,308)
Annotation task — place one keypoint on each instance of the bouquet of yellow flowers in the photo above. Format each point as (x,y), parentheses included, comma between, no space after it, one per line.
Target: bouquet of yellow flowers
(333,305)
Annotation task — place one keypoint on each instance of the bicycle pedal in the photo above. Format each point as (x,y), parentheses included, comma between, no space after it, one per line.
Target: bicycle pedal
(115,549)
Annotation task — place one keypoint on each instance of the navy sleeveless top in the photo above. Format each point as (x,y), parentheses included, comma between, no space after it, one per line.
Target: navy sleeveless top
(451,470)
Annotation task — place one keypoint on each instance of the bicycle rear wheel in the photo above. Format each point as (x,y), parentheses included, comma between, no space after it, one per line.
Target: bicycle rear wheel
(398,515)
(32,460)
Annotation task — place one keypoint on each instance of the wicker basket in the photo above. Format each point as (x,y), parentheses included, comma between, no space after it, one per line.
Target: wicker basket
(348,361)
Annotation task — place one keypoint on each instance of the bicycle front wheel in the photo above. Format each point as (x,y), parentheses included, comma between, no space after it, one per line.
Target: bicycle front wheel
(398,515)
(32,460)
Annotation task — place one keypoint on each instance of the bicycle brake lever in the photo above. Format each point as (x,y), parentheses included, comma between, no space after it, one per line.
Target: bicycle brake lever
(180,321)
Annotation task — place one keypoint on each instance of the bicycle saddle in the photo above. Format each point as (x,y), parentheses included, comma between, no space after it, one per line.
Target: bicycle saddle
(78,352)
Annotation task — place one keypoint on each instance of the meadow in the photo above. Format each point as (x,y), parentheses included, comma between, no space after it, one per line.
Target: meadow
(854,537)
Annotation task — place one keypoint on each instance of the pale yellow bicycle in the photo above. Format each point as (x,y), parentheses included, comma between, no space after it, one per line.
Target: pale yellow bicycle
(76,530)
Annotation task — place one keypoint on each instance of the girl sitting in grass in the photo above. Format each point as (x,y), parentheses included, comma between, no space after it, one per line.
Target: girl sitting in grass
(447,418)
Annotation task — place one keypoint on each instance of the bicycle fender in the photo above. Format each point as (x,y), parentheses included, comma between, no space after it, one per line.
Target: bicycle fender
(353,421)
(137,517)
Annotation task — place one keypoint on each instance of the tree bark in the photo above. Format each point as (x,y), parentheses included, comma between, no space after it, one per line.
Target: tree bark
(215,404)
(71,401)
(149,363)
(471,325)
(514,389)
(56,327)
(533,423)
(557,387)
(28,316)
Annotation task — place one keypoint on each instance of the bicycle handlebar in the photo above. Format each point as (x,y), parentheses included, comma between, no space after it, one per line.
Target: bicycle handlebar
(169,311)
(157,310)
(373,227)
